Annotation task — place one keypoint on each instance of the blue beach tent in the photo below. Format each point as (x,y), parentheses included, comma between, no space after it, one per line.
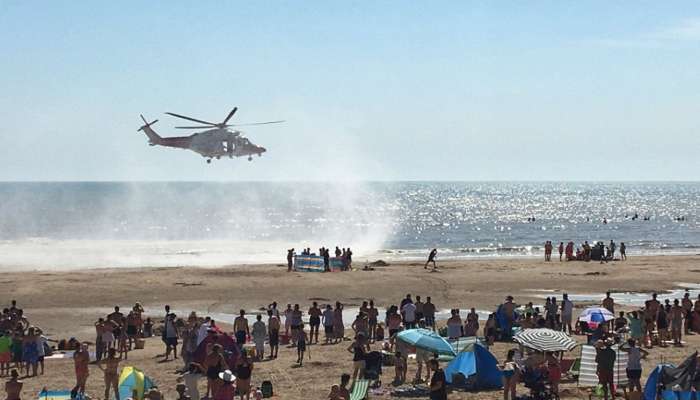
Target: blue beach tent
(479,368)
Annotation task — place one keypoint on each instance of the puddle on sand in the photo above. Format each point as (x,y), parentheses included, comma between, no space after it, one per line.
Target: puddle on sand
(630,298)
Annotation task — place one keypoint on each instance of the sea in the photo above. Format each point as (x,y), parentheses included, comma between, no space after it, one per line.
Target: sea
(75,225)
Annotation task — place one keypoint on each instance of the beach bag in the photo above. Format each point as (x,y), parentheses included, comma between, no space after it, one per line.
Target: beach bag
(266,389)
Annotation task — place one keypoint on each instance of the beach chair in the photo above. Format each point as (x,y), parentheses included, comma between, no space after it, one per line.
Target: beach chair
(360,389)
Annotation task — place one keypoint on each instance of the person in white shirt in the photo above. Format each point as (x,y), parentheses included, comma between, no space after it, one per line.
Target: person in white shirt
(327,317)
(567,309)
(259,334)
(409,315)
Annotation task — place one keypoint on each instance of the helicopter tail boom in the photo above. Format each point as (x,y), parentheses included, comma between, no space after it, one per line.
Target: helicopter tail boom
(153,137)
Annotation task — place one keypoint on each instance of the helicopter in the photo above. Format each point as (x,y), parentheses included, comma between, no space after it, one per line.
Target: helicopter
(215,141)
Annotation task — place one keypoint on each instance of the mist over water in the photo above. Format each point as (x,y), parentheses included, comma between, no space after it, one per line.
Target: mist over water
(79,225)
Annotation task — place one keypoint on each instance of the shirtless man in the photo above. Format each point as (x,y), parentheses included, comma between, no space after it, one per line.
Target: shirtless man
(111,366)
(687,305)
(609,303)
(81,358)
(651,311)
(314,322)
(240,328)
(677,315)
(273,329)
(13,387)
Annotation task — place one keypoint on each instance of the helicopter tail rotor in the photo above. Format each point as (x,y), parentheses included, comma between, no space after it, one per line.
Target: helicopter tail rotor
(146,124)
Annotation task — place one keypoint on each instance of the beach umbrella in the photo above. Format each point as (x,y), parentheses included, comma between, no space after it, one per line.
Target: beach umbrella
(596,315)
(544,339)
(426,340)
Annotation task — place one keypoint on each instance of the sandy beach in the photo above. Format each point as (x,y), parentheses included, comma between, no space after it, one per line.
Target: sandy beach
(66,304)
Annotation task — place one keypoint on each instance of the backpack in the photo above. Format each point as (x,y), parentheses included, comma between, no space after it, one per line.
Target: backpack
(266,389)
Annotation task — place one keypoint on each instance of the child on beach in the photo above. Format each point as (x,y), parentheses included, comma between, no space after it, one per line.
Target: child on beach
(400,368)
(301,344)
(510,378)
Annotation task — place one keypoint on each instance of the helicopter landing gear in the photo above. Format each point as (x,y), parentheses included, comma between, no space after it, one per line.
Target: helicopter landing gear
(209,161)
(250,158)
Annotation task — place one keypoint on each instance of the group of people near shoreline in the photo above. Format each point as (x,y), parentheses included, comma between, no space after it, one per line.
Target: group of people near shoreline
(586,252)
(345,255)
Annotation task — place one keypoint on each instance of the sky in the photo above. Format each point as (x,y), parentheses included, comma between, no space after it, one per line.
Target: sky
(463,90)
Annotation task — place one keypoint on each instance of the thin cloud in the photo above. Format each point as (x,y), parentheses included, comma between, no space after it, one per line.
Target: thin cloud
(687,30)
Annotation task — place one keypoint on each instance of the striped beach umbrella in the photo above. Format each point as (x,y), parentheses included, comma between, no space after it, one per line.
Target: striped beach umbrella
(544,339)
(596,315)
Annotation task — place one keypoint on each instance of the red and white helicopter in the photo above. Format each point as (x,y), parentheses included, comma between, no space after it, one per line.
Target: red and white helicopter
(215,141)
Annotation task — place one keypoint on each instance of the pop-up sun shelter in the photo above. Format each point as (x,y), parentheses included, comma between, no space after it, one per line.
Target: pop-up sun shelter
(667,382)
(133,379)
(478,368)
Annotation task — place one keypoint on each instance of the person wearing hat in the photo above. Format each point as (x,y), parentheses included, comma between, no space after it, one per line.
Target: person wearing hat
(227,388)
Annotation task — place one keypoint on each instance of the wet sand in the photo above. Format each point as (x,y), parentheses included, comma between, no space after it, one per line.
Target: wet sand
(66,304)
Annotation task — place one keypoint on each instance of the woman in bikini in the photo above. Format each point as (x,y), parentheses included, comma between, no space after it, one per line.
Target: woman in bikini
(214,363)
(111,366)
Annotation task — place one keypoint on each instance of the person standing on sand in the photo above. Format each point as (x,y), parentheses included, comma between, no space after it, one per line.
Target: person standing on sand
(13,387)
(687,305)
(81,359)
(605,358)
(429,313)
(241,329)
(287,319)
(290,259)
(567,310)
(372,316)
(608,303)
(561,251)
(328,317)
(431,259)
(623,251)
(214,364)
(338,326)
(171,336)
(111,372)
(314,321)
(259,334)
(273,326)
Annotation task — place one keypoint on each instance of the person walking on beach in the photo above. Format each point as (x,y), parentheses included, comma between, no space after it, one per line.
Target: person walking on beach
(567,310)
(81,359)
(431,259)
(328,316)
(259,334)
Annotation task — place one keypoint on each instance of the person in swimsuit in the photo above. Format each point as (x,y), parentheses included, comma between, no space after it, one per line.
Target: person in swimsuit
(510,378)
(241,329)
(273,326)
(131,328)
(243,373)
(13,387)
(357,348)
(81,359)
(111,366)
(328,317)
(314,322)
(372,314)
(30,352)
(214,363)
(296,323)
(338,325)
(301,345)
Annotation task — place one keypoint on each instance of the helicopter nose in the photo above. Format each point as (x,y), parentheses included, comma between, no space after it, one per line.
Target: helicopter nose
(262,149)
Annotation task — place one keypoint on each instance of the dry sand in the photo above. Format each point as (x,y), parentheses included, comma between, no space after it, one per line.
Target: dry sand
(66,304)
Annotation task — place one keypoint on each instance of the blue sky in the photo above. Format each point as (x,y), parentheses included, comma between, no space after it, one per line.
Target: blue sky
(370,90)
